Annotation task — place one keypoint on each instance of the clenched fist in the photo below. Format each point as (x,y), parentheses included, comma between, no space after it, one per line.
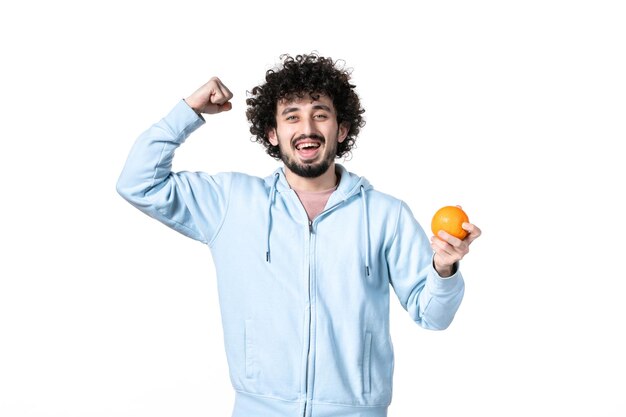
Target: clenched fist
(211,98)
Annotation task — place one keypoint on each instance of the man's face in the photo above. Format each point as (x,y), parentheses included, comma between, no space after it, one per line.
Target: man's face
(307,134)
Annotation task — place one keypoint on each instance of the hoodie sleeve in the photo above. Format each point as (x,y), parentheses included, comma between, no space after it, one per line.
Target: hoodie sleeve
(193,204)
(430,300)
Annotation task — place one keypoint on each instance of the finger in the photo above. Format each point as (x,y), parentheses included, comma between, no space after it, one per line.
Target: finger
(227,93)
(447,237)
(439,245)
(443,246)
(215,93)
(224,107)
(221,94)
(218,97)
(473,232)
(442,249)
(448,253)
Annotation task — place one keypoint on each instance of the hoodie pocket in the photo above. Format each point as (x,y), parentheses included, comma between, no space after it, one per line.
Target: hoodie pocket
(249,349)
(367,350)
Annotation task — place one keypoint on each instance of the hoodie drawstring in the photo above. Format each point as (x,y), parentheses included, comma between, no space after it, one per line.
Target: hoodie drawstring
(366,231)
(270,202)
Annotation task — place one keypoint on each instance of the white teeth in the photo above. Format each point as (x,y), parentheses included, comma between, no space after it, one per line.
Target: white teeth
(307,145)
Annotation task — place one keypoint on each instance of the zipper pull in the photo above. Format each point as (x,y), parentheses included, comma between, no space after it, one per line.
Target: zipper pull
(311,226)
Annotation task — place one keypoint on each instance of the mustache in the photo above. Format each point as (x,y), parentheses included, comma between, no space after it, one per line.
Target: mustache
(311,136)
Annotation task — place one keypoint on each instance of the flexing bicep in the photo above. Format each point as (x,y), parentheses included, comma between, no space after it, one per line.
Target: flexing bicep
(191,203)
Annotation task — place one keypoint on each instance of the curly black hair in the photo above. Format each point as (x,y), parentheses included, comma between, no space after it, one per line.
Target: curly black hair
(307,74)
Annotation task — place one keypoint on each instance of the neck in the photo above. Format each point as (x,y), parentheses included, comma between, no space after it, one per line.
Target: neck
(325,181)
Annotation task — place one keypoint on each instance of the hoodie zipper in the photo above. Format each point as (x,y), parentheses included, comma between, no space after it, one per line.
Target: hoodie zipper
(307,388)
(312,258)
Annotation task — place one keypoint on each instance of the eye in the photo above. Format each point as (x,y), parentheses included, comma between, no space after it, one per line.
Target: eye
(291,118)
(321,116)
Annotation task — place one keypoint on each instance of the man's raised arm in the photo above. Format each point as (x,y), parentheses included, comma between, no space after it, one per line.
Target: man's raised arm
(148,183)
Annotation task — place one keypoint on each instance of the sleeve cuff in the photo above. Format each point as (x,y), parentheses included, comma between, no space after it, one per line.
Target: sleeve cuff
(441,284)
(455,269)
(182,120)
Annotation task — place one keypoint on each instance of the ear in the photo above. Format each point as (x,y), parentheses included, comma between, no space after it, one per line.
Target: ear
(344,128)
(273,138)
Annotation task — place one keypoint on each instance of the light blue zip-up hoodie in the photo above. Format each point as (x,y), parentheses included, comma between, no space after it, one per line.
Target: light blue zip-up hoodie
(305,305)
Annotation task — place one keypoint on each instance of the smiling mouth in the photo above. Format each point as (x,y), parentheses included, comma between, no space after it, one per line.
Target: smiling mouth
(308,142)
(308,150)
(307,145)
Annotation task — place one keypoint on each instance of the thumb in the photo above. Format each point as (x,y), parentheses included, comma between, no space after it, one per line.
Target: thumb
(224,107)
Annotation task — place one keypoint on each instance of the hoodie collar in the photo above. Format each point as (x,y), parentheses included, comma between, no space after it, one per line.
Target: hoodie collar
(349,186)
(349,183)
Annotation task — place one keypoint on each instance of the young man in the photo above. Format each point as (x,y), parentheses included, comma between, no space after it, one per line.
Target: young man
(305,258)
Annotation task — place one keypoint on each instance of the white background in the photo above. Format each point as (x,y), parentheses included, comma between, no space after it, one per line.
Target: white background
(515,110)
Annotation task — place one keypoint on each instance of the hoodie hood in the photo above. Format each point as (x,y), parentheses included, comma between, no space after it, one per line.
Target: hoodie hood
(349,184)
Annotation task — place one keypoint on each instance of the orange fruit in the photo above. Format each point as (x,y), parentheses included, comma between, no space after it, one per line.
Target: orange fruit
(450,219)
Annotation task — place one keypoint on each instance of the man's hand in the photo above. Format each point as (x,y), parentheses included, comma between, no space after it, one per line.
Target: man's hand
(211,98)
(449,249)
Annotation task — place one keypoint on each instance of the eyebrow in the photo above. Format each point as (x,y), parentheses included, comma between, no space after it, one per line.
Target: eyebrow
(315,107)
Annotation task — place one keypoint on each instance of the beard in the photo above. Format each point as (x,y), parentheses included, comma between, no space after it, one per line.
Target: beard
(314,169)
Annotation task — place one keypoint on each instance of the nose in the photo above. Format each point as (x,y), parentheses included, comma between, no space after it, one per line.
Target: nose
(308,127)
